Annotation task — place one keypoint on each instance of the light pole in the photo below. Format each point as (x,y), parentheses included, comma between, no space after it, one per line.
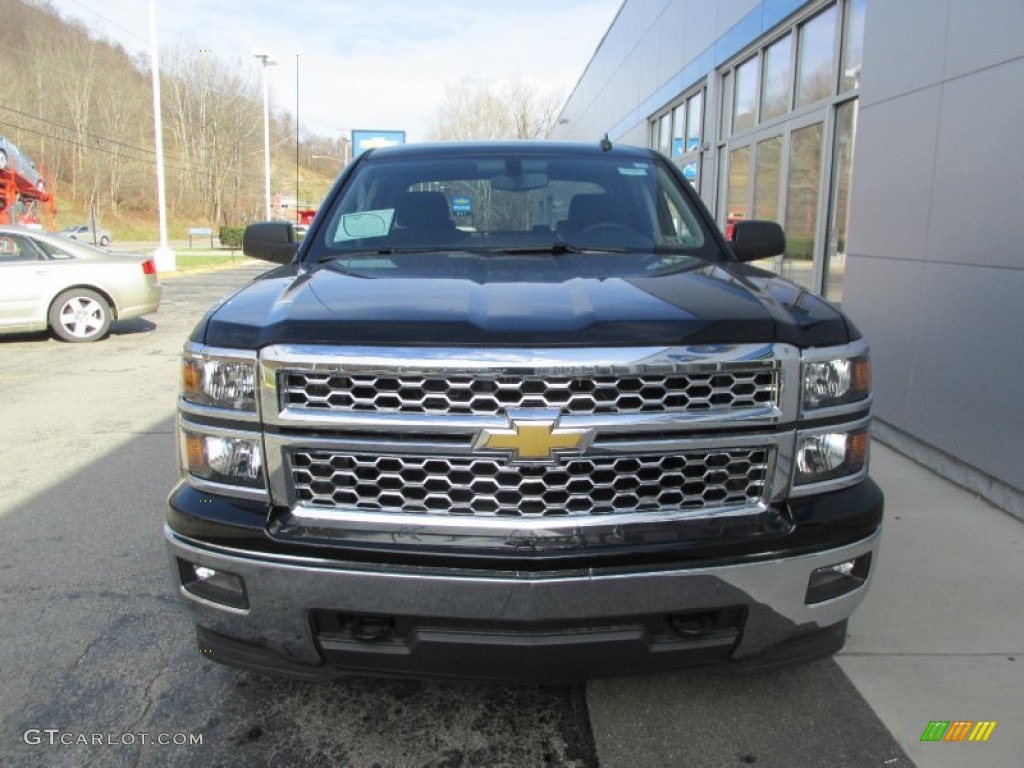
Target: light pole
(264,57)
(165,259)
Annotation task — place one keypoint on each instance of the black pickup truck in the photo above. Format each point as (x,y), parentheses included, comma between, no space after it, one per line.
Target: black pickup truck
(517,410)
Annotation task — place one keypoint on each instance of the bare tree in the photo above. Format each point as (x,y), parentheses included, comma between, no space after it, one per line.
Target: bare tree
(81,106)
(532,113)
(214,119)
(473,110)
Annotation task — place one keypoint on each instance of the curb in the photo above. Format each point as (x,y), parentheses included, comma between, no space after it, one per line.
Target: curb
(246,261)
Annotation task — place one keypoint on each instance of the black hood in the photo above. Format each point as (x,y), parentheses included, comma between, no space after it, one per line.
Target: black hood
(724,303)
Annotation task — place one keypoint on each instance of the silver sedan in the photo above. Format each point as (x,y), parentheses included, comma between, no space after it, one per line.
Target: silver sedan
(86,234)
(70,287)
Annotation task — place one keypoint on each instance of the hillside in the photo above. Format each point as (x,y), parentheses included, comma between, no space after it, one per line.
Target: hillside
(81,108)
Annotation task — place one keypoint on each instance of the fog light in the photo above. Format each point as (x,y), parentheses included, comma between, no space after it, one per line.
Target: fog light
(838,579)
(213,585)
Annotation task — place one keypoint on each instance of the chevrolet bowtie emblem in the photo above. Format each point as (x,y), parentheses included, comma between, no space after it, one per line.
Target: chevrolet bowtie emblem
(533,438)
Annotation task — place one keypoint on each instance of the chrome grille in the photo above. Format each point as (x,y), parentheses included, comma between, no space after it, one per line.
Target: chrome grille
(487,394)
(491,487)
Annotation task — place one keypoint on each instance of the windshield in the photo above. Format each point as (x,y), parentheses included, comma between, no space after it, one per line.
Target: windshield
(545,203)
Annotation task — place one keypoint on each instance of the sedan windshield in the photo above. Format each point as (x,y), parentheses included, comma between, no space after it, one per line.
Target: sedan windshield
(519,204)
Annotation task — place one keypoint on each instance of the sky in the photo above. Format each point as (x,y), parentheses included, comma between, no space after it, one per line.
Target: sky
(373,64)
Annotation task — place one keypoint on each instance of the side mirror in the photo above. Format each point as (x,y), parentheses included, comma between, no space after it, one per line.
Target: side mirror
(752,239)
(271,241)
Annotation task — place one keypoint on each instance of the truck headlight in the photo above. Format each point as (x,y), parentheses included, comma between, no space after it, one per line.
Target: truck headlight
(836,382)
(220,380)
(229,460)
(830,455)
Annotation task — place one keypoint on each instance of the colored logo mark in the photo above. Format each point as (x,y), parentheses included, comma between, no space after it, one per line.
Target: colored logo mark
(958,730)
(532,439)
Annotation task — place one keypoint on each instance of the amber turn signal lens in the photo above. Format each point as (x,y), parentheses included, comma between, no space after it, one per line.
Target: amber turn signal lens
(191,377)
(195,451)
(861,374)
(857,448)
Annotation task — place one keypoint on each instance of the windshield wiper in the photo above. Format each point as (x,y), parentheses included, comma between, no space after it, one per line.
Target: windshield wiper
(555,249)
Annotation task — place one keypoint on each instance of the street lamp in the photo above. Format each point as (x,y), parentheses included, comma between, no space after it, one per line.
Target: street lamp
(264,57)
(165,259)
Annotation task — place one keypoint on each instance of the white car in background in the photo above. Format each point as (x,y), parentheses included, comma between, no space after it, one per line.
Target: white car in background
(85,233)
(72,288)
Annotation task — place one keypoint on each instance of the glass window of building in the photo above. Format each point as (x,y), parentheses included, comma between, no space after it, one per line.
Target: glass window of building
(694,121)
(839,201)
(694,146)
(745,103)
(803,188)
(815,58)
(787,119)
(739,181)
(678,132)
(767,173)
(853,46)
(725,122)
(778,78)
(665,134)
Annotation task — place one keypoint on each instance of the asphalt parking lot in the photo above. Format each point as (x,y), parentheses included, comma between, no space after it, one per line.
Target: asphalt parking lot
(95,644)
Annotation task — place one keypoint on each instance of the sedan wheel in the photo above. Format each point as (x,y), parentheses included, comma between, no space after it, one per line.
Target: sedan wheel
(104,241)
(80,315)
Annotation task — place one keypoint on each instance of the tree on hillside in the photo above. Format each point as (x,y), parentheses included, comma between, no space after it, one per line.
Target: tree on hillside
(213,112)
(473,110)
(82,107)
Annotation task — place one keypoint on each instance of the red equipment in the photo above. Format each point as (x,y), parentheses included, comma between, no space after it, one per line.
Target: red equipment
(21,202)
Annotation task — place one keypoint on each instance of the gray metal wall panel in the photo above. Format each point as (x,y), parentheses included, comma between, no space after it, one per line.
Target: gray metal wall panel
(978,191)
(892,178)
(647,47)
(935,275)
(698,29)
(965,398)
(886,294)
(983,33)
(904,47)
(729,12)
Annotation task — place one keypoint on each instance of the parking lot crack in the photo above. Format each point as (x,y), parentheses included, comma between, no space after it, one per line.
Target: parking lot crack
(147,695)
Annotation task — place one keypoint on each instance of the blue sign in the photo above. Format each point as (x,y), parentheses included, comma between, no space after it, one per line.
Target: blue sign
(692,143)
(462,205)
(363,140)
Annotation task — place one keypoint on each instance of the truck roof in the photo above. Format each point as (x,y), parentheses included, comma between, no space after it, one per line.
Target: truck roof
(504,148)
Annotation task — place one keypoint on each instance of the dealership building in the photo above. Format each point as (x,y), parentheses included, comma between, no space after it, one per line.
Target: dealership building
(886,137)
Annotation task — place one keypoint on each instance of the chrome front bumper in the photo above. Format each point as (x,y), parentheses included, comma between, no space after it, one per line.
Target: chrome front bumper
(509,624)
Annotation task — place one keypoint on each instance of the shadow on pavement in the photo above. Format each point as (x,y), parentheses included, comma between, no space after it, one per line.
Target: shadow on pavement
(94,641)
